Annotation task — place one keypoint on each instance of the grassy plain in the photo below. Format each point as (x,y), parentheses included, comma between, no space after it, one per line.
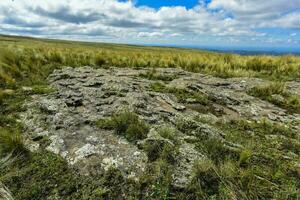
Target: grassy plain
(264,170)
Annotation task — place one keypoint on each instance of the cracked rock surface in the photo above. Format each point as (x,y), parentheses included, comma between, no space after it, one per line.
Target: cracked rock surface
(84,95)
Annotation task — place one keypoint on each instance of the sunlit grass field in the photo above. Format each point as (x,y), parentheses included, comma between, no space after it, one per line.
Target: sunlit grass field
(260,171)
(28,61)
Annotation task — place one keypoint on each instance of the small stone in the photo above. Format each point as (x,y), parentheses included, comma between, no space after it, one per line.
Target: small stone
(85,151)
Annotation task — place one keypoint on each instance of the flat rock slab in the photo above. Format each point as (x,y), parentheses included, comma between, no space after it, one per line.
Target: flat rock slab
(84,95)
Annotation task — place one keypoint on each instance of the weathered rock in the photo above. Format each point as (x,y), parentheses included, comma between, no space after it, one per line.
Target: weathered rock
(85,95)
(187,158)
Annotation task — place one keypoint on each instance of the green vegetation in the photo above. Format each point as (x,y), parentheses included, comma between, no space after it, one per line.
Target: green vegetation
(25,61)
(183,95)
(169,133)
(157,87)
(44,175)
(11,142)
(160,149)
(127,124)
(156,183)
(276,93)
(154,75)
(265,168)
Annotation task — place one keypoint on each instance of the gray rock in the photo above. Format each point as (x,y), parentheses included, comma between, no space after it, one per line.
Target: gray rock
(187,158)
(84,95)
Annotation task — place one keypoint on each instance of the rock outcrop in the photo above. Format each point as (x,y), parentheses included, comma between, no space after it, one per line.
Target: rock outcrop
(84,95)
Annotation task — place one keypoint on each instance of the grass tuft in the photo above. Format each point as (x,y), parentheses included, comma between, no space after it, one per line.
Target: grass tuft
(155,76)
(127,124)
(276,93)
(11,142)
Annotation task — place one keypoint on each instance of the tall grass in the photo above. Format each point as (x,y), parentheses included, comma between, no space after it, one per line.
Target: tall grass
(11,142)
(29,61)
(276,93)
(5,194)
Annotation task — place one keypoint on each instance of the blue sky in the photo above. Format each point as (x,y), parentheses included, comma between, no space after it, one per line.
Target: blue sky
(224,23)
(157,4)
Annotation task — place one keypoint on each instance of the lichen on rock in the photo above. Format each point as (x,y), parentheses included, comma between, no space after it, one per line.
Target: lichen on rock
(82,96)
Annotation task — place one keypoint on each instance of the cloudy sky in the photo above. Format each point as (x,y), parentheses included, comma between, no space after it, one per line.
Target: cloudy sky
(256,23)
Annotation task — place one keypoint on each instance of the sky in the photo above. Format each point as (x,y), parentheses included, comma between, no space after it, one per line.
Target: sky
(214,23)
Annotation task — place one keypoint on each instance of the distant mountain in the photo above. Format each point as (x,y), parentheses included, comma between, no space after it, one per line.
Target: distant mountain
(254,52)
(243,50)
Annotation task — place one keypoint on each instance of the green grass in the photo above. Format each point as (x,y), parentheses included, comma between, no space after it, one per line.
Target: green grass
(265,168)
(157,87)
(183,95)
(127,124)
(11,142)
(44,175)
(284,99)
(25,61)
(168,132)
(154,75)
(263,161)
(160,150)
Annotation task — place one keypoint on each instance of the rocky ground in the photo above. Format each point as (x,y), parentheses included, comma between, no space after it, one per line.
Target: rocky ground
(190,103)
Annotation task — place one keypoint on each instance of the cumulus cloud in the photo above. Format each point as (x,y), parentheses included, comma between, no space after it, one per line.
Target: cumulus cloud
(124,19)
(150,34)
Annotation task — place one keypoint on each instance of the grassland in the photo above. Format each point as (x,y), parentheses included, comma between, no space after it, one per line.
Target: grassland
(24,61)
(257,172)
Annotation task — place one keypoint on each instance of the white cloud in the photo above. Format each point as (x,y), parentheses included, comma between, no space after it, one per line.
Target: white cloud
(116,19)
(150,34)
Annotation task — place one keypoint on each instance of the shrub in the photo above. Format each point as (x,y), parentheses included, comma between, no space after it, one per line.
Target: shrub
(137,130)
(106,123)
